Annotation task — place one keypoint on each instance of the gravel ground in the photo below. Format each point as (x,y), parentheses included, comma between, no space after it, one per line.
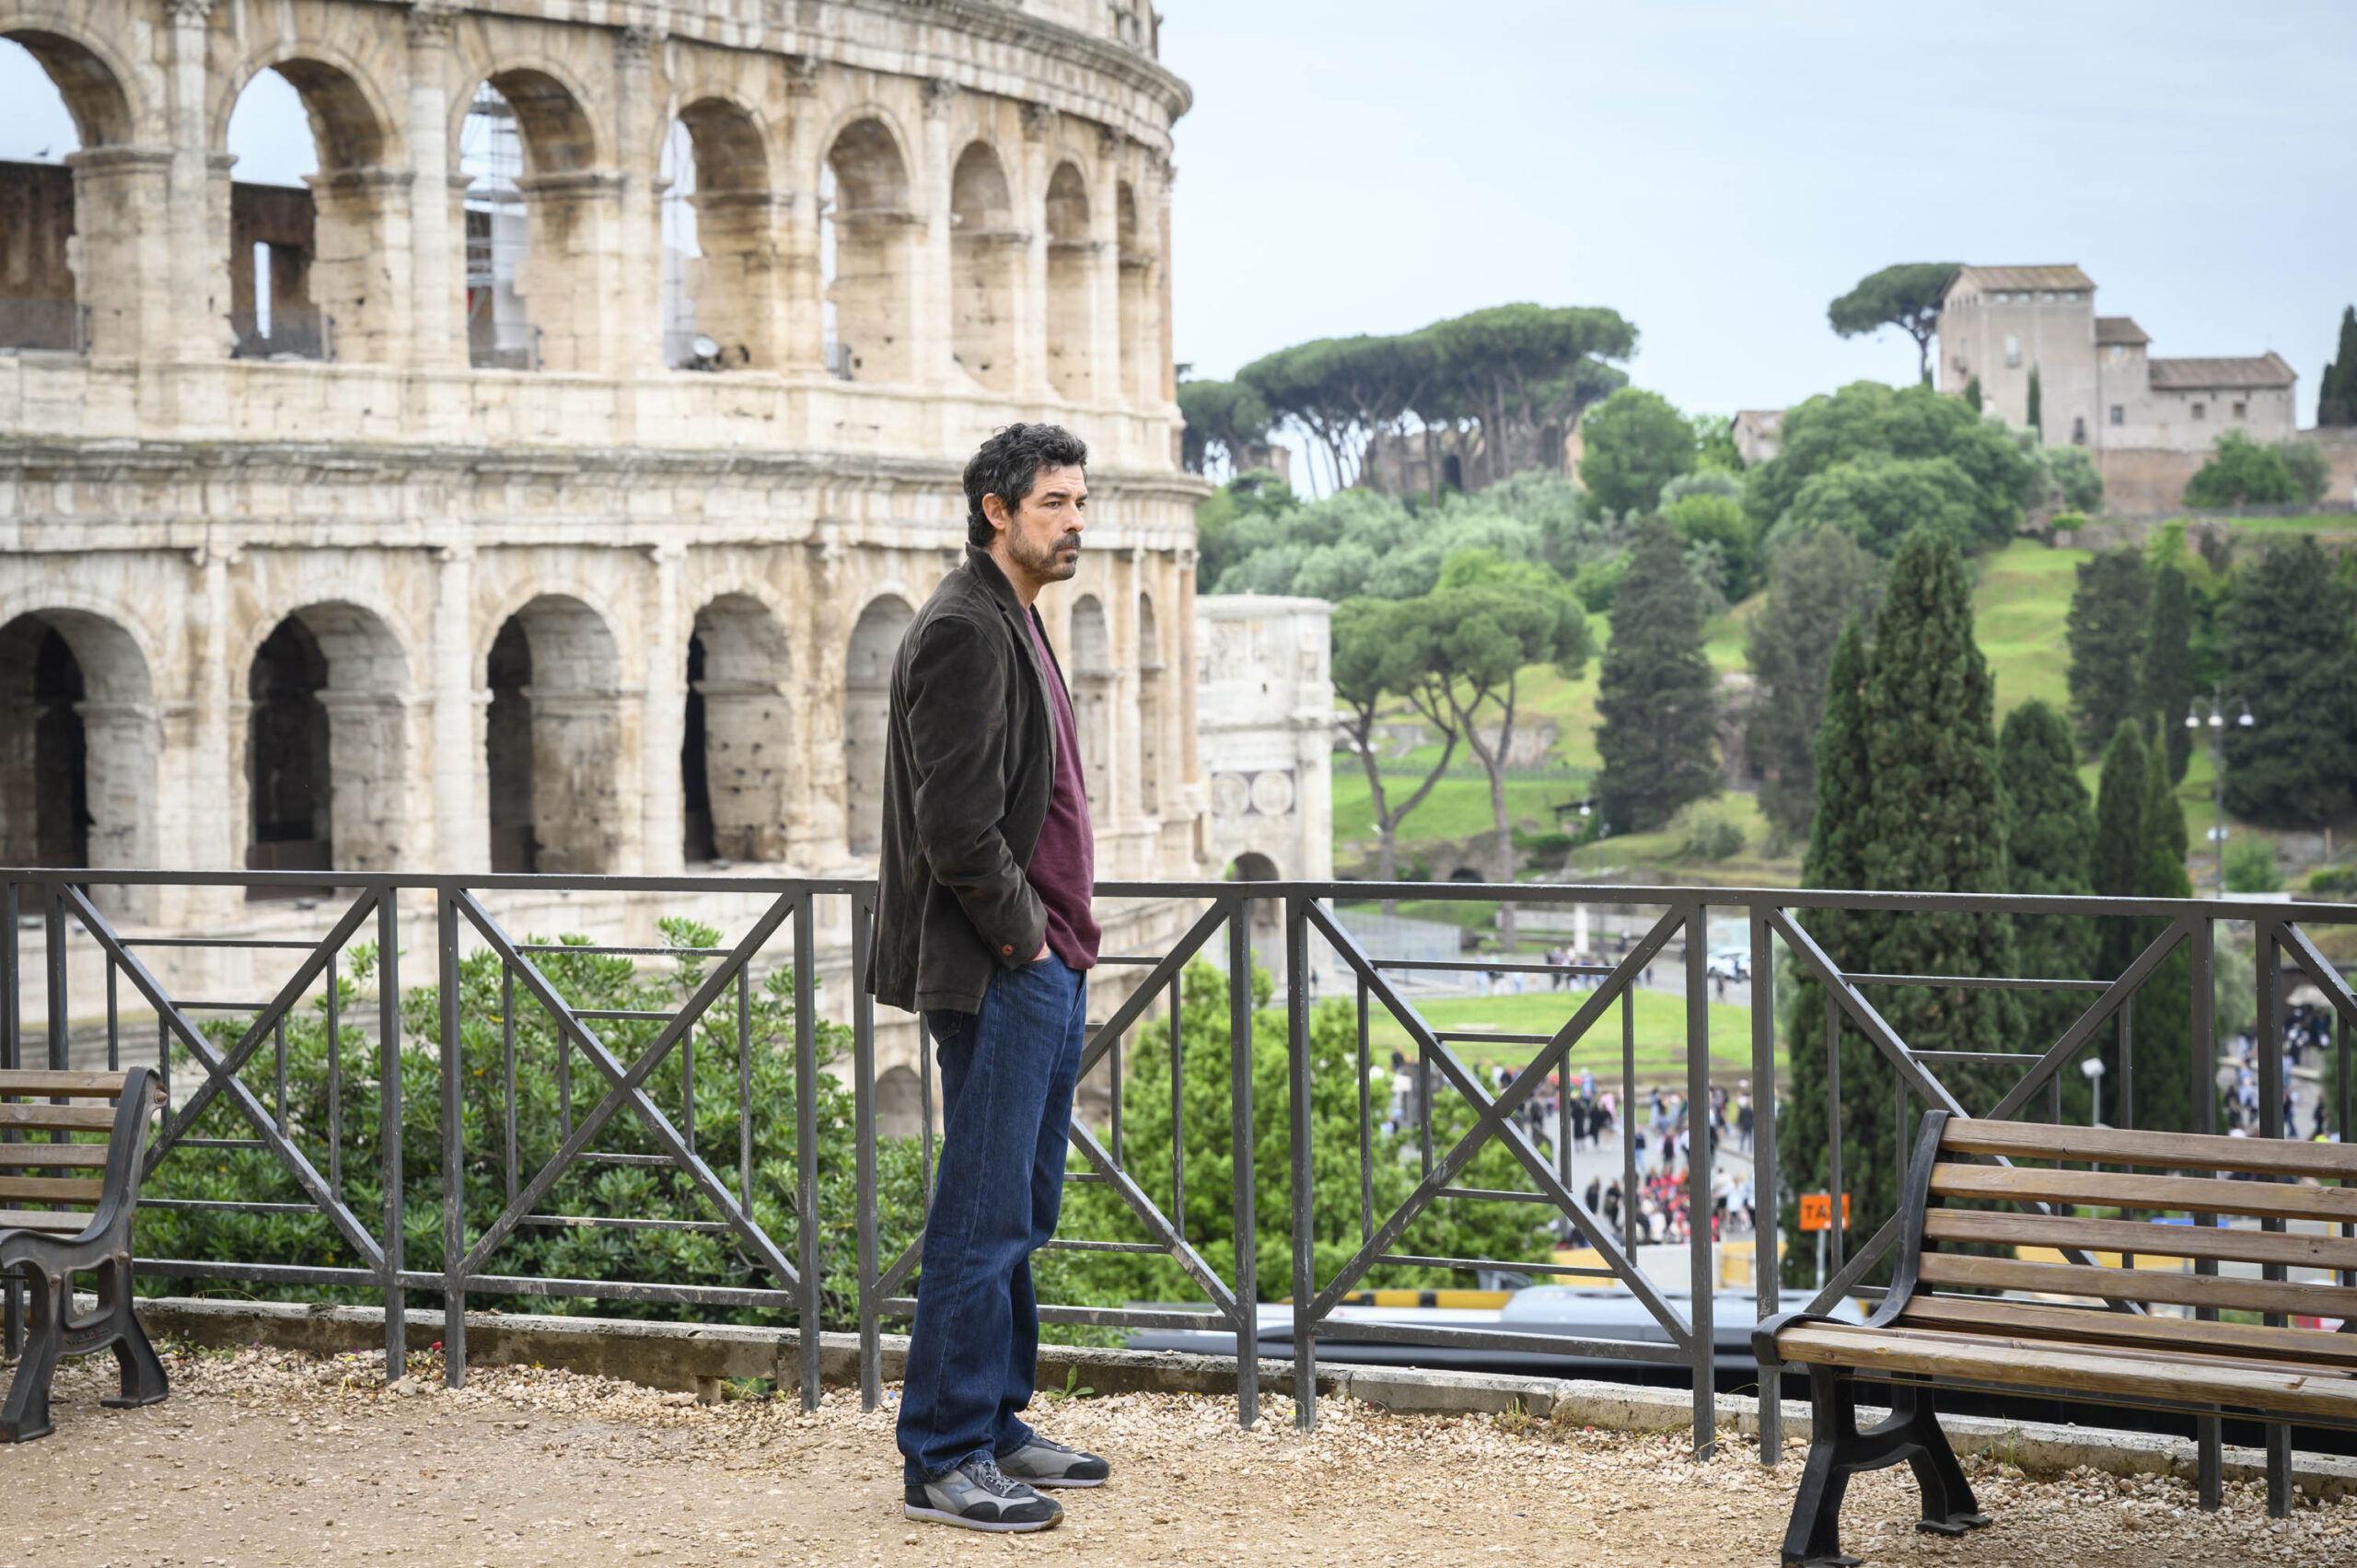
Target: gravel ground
(266,1457)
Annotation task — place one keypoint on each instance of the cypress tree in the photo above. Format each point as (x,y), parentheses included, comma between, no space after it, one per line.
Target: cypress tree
(2290,641)
(1821,581)
(2168,680)
(1832,860)
(1935,821)
(1655,695)
(1972,394)
(2116,870)
(2037,406)
(2110,609)
(2337,394)
(2161,1023)
(2049,825)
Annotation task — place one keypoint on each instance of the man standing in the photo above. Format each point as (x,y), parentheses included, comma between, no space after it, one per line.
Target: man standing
(984,925)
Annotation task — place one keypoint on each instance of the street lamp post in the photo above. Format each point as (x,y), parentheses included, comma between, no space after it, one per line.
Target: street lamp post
(2211,713)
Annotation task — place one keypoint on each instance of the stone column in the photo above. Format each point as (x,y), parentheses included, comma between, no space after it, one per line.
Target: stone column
(214,840)
(1031,287)
(929,294)
(633,310)
(663,717)
(121,261)
(1156,198)
(196,293)
(794,217)
(437,277)
(461,774)
(1104,232)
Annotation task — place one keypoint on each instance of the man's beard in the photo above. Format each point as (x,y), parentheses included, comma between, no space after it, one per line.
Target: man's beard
(1046,561)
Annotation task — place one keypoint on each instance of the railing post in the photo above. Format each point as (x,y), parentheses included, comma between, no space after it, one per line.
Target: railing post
(12,1296)
(2270,975)
(61,1019)
(1303,1070)
(388,1127)
(1239,1049)
(1767,1231)
(454,1149)
(806,1141)
(1700,1158)
(2201,939)
(862,1058)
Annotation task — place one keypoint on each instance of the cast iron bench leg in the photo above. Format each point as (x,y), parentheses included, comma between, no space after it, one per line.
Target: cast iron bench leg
(1838,1449)
(144,1382)
(25,1416)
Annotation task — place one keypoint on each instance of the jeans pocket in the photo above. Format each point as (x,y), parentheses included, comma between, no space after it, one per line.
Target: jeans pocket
(947,1024)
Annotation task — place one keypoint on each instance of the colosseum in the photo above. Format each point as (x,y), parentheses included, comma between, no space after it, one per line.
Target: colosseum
(542,485)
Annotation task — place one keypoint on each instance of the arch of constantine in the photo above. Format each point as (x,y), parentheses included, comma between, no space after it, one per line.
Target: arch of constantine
(545,485)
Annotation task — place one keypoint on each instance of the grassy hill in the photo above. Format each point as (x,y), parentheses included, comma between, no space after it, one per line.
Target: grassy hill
(2021,596)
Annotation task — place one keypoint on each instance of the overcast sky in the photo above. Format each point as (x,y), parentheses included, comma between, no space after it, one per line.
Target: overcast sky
(1714,172)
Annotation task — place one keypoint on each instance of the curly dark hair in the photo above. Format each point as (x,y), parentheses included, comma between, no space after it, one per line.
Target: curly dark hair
(1007,467)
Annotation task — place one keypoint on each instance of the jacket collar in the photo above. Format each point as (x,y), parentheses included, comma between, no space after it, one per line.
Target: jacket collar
(986,572)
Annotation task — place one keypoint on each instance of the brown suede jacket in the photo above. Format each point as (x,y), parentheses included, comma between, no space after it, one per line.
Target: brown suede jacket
(970,763)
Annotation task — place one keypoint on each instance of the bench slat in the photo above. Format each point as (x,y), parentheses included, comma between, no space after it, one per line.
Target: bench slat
(2177,1336)
(51,1190)
(70,1118)
(88,1086)
(50,1154)
(2137,1284)
(2172,1356)
(37,1219)
(2184,1151)
(2288,1391)
(2141,1237)
(2184,1194)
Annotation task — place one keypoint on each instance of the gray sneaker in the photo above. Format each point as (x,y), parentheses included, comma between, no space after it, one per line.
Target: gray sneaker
(1044,1463)
(976,1496)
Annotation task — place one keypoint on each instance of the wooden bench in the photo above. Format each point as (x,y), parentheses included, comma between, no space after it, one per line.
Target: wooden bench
(47,1235)
(1944,1325)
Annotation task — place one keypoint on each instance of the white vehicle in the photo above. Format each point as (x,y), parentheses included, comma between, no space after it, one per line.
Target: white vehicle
(1731,963)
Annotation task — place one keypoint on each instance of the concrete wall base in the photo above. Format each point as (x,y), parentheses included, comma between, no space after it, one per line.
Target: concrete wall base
(697,1358)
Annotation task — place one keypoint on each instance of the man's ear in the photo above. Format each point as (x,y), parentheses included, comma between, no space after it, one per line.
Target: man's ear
(994,510)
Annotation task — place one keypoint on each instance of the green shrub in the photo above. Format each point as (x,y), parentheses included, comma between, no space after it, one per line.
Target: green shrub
(2250,867)
(2334,881)
(2241,471)
(1708,835)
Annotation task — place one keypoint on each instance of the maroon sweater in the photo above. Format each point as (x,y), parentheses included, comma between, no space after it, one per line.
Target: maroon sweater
(1063,864)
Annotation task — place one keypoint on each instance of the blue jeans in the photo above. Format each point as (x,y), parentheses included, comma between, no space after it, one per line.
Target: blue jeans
(1007,1074)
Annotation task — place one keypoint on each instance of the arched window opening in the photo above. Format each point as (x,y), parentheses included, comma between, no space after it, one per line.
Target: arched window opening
(868,698)
(1268,922)
(40,301)
(865,231)
(1092,691)
(508,749)
(500,335)
(77,744)
(290,821)
(1150,710)
(274,228)
(719,259)
(1140,350)
(985,250)
(553,742)
(900,1103)
(1071,286)
(733,759)
(325,745)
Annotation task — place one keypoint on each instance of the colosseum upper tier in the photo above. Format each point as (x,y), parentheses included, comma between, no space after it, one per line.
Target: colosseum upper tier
(545,483)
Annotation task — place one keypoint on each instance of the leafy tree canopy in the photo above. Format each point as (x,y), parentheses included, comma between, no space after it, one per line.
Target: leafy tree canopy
(1980,504)
(1225,417)
(1906,296)
(2240,470)
(2289,634)
(1633,443)
(1656,696)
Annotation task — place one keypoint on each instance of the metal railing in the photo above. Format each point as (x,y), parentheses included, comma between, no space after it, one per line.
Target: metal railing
(493,990)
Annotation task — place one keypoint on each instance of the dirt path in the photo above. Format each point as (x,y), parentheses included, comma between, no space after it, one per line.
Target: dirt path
(266,1459)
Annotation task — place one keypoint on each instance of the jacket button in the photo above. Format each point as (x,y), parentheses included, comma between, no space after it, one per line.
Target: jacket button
(1009,950)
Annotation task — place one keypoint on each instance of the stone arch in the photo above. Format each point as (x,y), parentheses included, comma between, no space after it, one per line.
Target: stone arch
(985,256)
(77,283)
(720,262)
(1152,708)
(1091,678)
(553,740)
(326,746)
(78,743)
(539,220)
(900,1103)
(866,234)
(307,272)
(1268,914)
(738,735)
(1071,314)
(1140,354)
(868,704)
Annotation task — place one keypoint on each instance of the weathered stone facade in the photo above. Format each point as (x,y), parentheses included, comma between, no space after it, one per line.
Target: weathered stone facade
(401,610)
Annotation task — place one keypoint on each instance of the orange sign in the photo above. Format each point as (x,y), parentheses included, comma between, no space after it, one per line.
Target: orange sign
(1817,1210)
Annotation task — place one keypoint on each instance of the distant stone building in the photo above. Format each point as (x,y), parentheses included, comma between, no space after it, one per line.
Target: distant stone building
(1759,433)
(2146,422)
